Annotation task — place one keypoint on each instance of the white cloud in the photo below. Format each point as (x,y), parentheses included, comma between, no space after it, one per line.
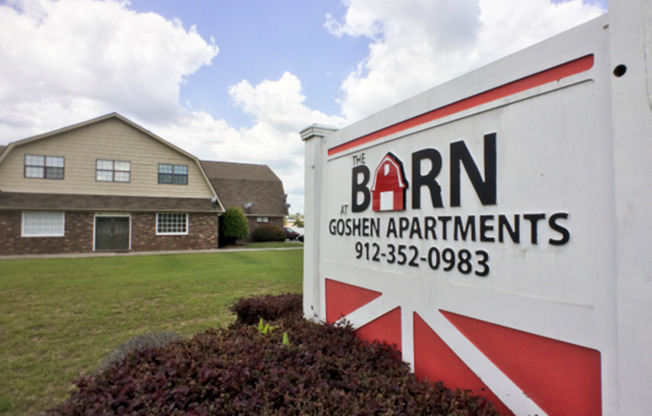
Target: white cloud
(422,43)
(67,60)
(277,108)
(278,103)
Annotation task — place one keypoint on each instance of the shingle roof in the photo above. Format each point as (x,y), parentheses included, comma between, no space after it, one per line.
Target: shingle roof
(239,183)
(68,202)
(2,148)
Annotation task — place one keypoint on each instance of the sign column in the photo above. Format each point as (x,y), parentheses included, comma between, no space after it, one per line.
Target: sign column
(313,137)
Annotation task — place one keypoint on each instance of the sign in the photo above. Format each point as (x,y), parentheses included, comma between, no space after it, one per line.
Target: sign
(479,227)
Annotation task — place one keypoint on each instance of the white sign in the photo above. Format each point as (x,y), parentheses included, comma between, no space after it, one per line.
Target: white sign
(480,226)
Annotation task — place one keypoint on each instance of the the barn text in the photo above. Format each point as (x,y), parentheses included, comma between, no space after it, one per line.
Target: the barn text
(387,190)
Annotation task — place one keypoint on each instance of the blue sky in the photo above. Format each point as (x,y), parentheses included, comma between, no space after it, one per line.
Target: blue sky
(236,80)
(262,39)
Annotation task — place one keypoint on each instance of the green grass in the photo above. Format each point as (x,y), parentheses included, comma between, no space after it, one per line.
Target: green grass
(60,317)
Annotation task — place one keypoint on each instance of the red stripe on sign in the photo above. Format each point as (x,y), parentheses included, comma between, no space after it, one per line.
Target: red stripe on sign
(540,78)
(435,361)
(562,378)
(343,298)
(385,328)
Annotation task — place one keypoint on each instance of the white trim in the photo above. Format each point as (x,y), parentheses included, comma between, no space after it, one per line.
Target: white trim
(172,233)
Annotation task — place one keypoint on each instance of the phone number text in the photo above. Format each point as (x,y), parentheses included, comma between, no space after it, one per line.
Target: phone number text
(446,259)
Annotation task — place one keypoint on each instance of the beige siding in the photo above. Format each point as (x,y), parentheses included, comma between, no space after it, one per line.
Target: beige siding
(110,139)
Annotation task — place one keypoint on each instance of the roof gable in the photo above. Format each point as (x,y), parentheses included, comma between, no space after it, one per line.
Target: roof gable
(87,123)
(389,174)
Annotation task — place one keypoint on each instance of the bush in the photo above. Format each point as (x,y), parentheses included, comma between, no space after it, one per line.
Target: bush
(268,232)
(323,370)
(268,307)
(233,225)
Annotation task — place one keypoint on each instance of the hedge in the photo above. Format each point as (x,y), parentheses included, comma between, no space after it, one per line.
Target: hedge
(289,366)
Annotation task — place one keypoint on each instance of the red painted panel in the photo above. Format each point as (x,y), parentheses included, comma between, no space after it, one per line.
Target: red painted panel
(342,299)
(562,378)
(436,361)
(385,328)
(540,78)
(389,177)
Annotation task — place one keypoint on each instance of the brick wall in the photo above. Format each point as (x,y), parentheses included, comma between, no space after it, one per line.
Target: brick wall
(202,234)
(78,236)
(277,221)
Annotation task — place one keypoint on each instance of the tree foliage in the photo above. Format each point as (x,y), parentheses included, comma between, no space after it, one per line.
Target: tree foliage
(234,224)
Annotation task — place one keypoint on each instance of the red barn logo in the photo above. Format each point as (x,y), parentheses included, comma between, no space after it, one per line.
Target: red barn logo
(389,186)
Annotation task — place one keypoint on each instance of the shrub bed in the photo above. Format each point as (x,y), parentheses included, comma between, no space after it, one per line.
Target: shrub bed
(268,307)
(267,232)
(291,367)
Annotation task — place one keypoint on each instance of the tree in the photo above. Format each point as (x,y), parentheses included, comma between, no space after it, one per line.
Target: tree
(298,222)
(233,225)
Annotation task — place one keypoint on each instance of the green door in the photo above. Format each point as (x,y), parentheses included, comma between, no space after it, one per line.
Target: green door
(111,233)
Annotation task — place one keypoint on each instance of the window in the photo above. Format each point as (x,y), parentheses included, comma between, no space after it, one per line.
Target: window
(262,219)
(174,174)
(45,167)
(112,171)
(43,224)
(171,223)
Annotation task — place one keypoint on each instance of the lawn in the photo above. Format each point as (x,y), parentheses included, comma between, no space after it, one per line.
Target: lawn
(60,317)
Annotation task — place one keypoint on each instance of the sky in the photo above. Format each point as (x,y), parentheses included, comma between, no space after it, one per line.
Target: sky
(237,80)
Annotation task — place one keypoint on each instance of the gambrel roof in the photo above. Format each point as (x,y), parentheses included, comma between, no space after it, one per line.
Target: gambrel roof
(87,199)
